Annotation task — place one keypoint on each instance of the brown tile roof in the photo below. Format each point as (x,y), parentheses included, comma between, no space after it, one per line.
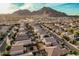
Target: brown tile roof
(55,51)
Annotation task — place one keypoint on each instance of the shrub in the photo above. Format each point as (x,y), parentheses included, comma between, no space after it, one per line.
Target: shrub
(6,54)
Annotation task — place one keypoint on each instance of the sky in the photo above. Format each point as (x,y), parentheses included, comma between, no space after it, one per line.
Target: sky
(68,8)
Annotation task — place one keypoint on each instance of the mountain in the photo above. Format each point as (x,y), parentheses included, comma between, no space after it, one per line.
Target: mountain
(45,11)
(22,12)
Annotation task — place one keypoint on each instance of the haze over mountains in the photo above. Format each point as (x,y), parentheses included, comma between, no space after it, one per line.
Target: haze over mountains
(45,11)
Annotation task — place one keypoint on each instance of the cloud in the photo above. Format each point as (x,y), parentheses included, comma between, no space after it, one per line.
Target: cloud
(16,5)
(5,8)
(26,6)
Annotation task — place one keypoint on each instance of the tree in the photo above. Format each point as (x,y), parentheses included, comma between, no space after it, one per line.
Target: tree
(73,52)
(77,33)
(73,42)
(8,47)
(71,30)
(1,36)
(65,37)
